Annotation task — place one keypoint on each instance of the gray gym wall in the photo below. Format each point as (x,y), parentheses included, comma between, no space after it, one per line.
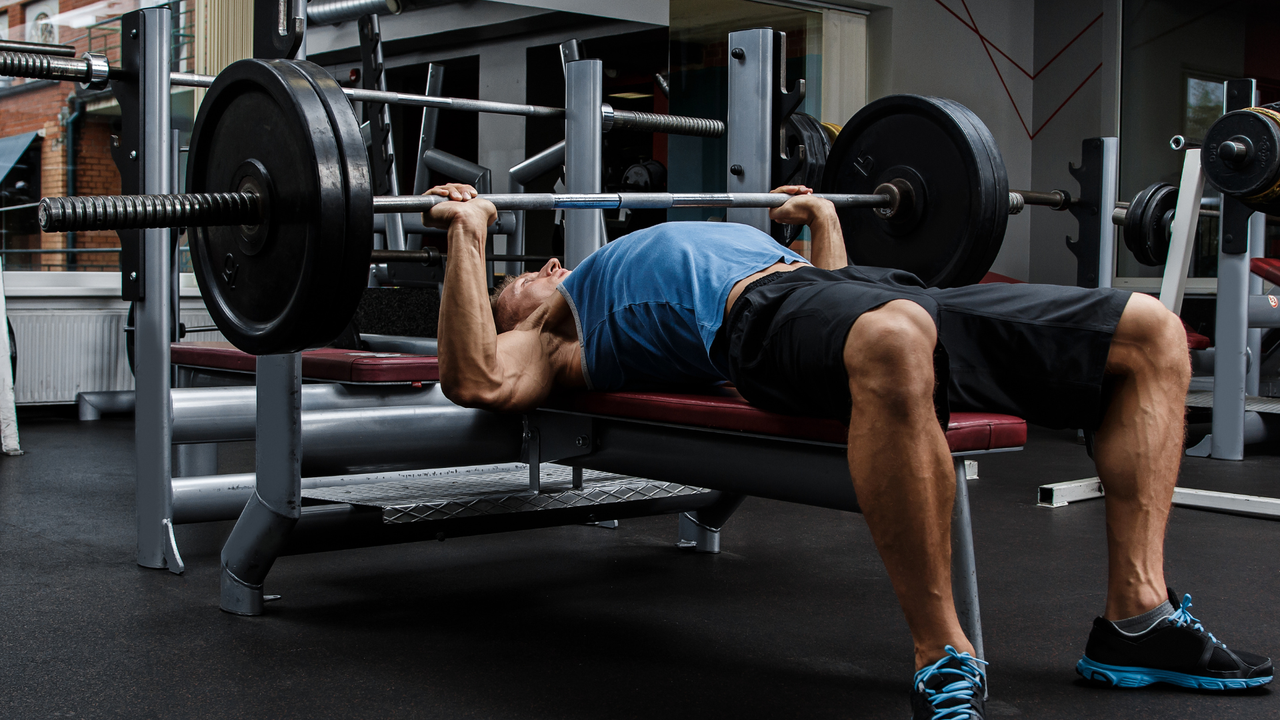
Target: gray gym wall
(918,46)
(1061,120)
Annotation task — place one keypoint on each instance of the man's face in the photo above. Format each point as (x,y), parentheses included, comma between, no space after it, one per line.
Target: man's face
(524,294)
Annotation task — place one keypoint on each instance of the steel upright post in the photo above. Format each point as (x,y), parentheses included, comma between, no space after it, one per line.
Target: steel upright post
(269,516)
(1110,185)
(1257,249)
(583,94)
(1231,328)
(750,119)
(157,547)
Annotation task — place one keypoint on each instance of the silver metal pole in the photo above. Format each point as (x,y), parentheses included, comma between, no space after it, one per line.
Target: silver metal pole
(157,547)
(395,229)
(426,141)
(964,569)
(583,93)
(226,414)
(1257,249)
(264,525)
(1110,189)
(520,175)
(1232,317)
(750,120)
(332,12)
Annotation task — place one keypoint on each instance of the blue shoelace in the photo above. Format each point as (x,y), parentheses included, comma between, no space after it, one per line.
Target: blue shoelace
(1182,618)
(969,679)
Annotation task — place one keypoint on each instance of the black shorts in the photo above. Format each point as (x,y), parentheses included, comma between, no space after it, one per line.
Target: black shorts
(1035,351)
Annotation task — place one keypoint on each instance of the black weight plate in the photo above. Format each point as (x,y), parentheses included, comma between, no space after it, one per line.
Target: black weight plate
(269,290)
(997,183)
(1145,232)
(350,272)
(805,137)
(1259,172)
(962,220)
(805,131)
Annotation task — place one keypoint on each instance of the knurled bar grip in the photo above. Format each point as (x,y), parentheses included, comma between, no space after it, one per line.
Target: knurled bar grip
(121,212)
(634,201)
(674,124)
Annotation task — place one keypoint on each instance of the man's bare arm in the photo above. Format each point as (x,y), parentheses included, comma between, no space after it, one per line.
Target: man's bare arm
(479,368)
(828,250)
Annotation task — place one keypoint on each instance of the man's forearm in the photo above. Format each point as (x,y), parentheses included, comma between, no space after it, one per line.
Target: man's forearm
(468,337)
(828,241)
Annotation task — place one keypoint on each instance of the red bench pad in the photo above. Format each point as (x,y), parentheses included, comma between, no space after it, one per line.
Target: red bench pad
(725,409)
(1266,268)
(721,408)
(332,364)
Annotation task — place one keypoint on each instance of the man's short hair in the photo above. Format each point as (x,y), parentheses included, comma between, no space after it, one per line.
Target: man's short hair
(502,319)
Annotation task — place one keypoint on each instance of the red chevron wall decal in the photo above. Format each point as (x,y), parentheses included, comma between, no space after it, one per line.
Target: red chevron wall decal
(988,46)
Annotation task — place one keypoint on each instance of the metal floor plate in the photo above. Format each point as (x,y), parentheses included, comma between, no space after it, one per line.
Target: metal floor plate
(442,498)
(1251,402)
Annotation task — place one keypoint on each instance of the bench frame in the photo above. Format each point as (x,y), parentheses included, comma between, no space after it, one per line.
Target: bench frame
(736,464)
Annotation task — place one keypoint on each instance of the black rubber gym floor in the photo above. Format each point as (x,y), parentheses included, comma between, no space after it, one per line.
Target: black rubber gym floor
(796,619)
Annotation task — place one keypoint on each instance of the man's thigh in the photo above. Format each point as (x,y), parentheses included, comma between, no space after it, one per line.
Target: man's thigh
(787,346)
(1035,351)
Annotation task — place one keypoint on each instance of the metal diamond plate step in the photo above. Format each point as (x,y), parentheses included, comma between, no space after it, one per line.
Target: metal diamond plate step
(1251,402)
(442,498)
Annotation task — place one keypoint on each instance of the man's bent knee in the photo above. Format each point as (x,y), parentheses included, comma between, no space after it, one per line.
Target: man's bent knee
(1149,338)
(889,351)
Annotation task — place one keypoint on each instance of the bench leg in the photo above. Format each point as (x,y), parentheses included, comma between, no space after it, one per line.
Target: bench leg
(964,572)
(274,508)
(700,529)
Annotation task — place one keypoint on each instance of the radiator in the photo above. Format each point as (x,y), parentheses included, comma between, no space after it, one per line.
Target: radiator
(64,351)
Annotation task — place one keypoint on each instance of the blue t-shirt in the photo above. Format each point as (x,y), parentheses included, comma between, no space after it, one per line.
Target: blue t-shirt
(648,304)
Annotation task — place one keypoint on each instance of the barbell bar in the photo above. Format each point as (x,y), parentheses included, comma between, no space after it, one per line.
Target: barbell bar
(18,46)
(136,212)
(93,70)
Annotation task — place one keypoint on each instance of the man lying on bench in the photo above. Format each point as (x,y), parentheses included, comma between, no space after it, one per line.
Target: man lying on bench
(689,303)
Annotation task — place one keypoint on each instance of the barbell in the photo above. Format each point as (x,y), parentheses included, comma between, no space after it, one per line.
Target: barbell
(281,208)
(93,70)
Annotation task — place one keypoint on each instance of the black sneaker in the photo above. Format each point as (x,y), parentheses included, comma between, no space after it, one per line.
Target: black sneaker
(1176,650)
(951,689)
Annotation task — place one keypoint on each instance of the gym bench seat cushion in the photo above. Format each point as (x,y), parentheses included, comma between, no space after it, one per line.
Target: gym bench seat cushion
(718,408)
(328,364)
(725,409)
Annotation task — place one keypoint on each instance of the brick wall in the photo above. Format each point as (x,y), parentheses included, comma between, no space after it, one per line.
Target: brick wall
(96,174)
(43,109)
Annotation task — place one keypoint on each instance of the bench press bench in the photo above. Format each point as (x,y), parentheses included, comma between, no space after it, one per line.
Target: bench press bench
(682,442)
